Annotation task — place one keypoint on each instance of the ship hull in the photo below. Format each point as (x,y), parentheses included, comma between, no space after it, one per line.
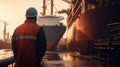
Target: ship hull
(90,26)
(54,30)
(53,35)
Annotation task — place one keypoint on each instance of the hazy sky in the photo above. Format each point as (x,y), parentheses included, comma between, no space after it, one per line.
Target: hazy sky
(13,11)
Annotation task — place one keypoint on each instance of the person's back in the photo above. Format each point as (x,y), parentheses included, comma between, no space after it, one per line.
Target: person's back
(28,43)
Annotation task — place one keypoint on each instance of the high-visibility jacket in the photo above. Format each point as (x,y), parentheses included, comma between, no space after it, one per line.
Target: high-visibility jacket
(28,44)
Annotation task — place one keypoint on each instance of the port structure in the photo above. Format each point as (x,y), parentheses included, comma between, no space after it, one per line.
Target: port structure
(4,31)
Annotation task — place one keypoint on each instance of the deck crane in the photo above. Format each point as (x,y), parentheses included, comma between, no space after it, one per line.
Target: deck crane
(4,31)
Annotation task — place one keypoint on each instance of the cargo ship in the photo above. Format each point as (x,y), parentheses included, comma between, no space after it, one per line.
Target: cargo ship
(87,21)
(52,26)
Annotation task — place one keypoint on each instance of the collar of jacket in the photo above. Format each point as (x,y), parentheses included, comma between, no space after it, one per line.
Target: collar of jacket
(30,21)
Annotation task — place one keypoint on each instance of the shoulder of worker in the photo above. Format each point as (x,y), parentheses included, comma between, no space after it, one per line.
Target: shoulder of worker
(19,26)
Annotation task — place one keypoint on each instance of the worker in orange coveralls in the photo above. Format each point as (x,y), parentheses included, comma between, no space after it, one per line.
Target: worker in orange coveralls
(29,42)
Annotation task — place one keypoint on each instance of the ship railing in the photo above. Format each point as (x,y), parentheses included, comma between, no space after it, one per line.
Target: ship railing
(7,61)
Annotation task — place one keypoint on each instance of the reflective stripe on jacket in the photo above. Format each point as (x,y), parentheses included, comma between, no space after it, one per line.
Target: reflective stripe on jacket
(26,37)
(25,42)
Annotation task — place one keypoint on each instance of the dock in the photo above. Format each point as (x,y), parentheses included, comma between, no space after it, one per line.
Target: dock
(65,59)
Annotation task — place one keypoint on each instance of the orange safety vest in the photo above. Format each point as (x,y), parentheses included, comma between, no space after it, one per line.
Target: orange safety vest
(25,36)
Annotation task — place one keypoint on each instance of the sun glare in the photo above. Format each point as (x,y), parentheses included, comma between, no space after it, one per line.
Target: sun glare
(13,11)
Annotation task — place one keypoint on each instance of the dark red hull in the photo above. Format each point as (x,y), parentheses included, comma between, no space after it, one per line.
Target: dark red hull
(90,26)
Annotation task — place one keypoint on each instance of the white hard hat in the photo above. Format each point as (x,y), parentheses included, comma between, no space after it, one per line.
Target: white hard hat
(31,12)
